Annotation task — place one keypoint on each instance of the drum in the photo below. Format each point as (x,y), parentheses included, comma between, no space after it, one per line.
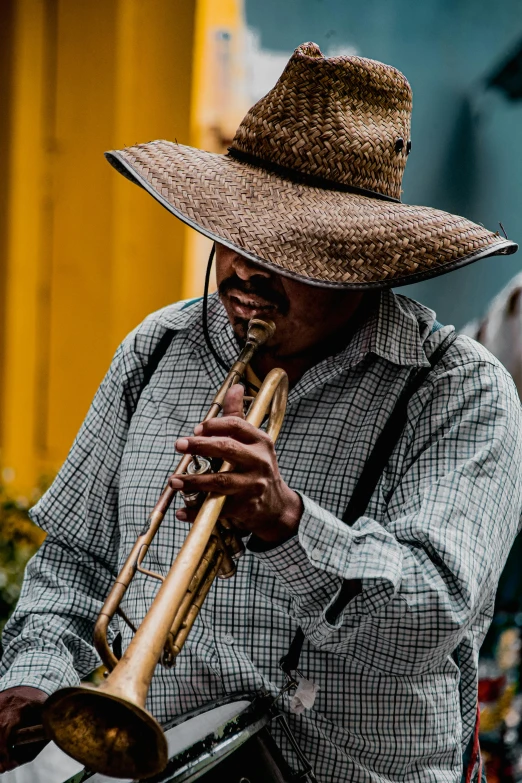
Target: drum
(224,742)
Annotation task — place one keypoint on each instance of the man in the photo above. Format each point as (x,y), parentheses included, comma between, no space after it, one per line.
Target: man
(500,330)
(310,233)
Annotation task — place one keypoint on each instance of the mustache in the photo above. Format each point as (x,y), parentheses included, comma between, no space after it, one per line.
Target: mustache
(256,286)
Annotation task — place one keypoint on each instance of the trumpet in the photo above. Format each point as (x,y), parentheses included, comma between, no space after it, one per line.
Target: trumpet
(107,728)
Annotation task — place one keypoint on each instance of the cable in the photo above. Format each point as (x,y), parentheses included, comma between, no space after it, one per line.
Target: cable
(206,333)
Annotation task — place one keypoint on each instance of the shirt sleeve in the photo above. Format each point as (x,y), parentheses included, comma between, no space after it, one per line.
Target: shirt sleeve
(430,565)
(48,639)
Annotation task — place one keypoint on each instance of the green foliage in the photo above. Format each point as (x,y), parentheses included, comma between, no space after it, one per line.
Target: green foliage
(19,540)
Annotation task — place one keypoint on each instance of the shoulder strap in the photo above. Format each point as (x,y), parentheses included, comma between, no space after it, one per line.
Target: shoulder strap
(365,488)
(389,437)
(160,350)
(154,359)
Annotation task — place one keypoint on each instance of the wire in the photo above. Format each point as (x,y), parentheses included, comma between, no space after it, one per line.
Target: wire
(206,332)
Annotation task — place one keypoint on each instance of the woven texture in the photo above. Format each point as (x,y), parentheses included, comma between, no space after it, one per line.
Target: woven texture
(339,118)
(318,234)
(280,197)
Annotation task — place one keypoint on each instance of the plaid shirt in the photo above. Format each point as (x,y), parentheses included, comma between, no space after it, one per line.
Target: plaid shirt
(429,550)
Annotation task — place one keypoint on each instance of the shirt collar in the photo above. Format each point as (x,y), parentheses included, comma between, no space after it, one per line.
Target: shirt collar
(395,331)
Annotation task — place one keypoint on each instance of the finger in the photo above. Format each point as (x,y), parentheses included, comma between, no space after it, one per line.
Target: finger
(7,764)
(220,483)
(233,402)
(241,527)
(5,761)
(233,427)
(232,406)
(228,449)
(187,514)
(26,753)
(7,757)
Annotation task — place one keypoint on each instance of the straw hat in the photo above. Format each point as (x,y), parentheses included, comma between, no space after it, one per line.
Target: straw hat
(311,184)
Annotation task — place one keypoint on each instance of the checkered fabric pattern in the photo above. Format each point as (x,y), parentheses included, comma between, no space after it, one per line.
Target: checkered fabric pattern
(392,704)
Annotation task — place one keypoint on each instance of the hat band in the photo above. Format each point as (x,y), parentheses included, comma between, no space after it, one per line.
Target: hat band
(306,179)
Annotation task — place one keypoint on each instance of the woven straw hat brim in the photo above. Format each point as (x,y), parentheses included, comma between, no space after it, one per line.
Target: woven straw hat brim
(326,237)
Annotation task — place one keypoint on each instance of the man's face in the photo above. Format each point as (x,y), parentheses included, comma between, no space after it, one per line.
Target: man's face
(304,315)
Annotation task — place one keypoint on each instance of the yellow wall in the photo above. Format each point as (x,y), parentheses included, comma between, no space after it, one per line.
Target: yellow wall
(218,102)
(84,255)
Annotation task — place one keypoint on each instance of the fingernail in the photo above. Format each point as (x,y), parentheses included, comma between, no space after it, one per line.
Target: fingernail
(182,444)
(176,483)
(198,429)
(181,515)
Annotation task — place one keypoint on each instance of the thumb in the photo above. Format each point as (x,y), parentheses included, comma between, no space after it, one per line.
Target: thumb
(233,402)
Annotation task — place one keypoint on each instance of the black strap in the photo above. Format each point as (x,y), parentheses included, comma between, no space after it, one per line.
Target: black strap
(154,359)
(206,332)
(365,488)
(388,438)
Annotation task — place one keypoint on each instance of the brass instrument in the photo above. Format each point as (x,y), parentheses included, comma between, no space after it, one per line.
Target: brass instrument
(108,728)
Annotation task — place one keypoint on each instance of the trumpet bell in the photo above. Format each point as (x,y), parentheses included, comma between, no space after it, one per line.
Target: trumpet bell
(106,733)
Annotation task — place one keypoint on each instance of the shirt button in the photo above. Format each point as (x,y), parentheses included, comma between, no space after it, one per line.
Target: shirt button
(293,569)
(228,638)
(316,554)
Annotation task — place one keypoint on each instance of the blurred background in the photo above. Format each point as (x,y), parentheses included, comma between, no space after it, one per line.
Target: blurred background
(85,256)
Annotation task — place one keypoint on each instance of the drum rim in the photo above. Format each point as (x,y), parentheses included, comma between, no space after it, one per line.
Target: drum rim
(192,760)
(203,762)
(222,701)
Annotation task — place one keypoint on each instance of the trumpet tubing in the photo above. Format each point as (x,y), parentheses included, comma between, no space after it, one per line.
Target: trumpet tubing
(108,728)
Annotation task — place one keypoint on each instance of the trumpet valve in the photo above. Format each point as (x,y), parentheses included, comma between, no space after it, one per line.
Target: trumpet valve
(231,539)
(197,467)
(227,566)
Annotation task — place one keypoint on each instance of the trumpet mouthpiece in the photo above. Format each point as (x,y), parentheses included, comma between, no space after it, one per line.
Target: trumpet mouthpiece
(259,332)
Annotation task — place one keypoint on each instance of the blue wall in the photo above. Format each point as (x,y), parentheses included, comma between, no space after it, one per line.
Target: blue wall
(467,142)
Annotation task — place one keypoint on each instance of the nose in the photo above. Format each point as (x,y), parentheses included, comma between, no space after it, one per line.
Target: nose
(245,269)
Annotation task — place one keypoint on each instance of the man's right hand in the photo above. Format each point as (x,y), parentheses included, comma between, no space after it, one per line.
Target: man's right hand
(19,707)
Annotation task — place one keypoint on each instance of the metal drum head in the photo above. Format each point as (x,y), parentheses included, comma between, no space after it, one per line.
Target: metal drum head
(202,724)
(202,739)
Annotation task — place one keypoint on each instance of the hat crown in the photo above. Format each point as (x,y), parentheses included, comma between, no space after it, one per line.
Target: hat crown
(342,119)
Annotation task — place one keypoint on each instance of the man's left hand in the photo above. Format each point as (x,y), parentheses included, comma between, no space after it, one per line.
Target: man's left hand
(258,500)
